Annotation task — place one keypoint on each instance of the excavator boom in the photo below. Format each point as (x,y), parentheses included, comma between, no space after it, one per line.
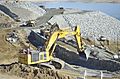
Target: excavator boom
(61,34)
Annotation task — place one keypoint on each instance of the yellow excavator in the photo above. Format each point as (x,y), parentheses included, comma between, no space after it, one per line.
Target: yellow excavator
(44,56)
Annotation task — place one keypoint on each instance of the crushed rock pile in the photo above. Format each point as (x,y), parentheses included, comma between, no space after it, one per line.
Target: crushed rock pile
(93,24)
(24,10)
(29,72)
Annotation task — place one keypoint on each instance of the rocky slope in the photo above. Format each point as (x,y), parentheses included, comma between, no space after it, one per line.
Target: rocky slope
(23,11)
(93,24)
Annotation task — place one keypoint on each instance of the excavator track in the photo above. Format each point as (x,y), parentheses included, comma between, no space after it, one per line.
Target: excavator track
(55,63)
(58,63)
(46,65)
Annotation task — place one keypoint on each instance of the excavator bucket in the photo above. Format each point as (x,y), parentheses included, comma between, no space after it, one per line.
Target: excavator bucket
(87,52)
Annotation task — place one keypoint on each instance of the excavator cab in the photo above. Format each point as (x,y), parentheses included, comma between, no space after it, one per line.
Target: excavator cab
(41,48)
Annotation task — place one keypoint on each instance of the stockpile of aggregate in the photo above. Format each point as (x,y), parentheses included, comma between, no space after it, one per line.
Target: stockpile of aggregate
(93,24)
(23,10)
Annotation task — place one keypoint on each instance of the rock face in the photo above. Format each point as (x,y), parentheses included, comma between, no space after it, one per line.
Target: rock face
(23,10)
(93,24)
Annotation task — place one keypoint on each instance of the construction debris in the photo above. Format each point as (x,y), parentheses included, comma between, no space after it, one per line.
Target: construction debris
(12,37)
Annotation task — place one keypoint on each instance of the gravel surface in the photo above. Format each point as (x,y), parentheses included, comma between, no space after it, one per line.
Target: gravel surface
(93,24)
(24,10)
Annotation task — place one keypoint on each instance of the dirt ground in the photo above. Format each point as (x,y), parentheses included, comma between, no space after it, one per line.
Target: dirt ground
(7,51)
(6,76)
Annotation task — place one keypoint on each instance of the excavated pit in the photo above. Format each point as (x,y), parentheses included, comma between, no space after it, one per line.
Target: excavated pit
(92,63)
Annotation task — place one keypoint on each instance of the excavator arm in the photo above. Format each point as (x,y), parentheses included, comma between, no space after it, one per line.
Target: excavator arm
(78,39)
(61,34)
(34,57)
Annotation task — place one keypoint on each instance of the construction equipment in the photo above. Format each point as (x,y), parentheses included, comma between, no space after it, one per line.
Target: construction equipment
(45,54)
(30,23)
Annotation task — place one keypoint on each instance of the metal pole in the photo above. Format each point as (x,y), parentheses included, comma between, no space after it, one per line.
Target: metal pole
(101,75)
(85,73)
